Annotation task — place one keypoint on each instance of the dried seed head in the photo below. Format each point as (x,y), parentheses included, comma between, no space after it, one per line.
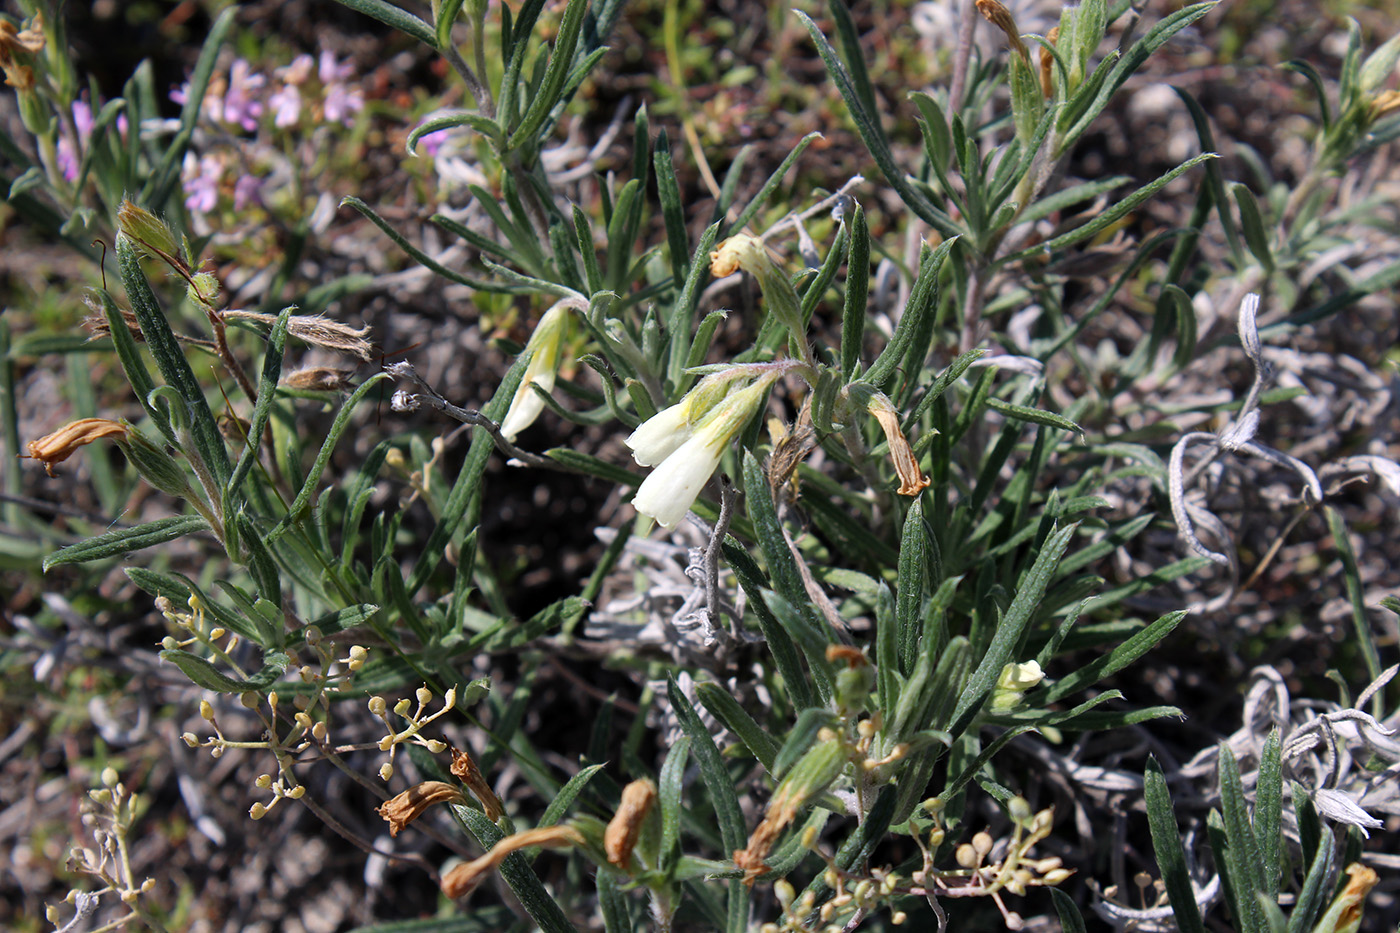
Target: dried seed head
(626,825)
(63,443)
(406,807)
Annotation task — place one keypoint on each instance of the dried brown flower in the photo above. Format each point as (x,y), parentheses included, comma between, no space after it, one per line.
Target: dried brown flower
(317,330)
(464,878)
(63,443)
(626,825)
(465,770)
(999,16)
(320,379)
(912,480)
(97,326)
(1047,64)
(406,807)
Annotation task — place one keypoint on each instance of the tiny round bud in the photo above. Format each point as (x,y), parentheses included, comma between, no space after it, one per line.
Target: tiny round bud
(934,805)
(424,695)
(216,633)
(110,777)
(273,700)
(898,918)
(377,706)
(216,752)
(313,635)
(250,699)
(809,837)
(966,856)
(169,643)
(386,771)
(52,913)
(982,844)
(402,706)
(386,743)
(128,897)
(828,911)
(296,793)
(436,746)
(190,739)
(318,732)
(307,674)
(449,700)
(1019,809)
(302,720)
(264,781)
(257,811)
(784,891)
(1056,875)
(103,797)
(936,837)
(148,886)
(206,710)
(831,877)
(1013,921)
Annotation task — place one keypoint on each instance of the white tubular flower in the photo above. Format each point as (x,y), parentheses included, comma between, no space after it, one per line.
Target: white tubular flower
(545,349)
(663,433)
(660,435)
(668,493)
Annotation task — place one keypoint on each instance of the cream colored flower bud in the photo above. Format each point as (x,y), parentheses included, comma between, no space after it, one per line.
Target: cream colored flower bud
(190,739)
(386,771)
(423,695)
(250,699)
(403,706)
(377,706)
(257,811)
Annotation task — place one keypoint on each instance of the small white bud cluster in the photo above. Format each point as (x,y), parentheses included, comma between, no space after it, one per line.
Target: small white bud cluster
(417,720)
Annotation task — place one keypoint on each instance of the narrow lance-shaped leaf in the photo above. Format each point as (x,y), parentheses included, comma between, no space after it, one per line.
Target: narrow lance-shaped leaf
(170,360)
(125,540)
(1009,632)
(1166,844)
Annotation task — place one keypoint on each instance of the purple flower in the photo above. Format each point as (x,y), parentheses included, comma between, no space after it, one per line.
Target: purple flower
(201,176)
(240,106)
(69,158)
(246,191)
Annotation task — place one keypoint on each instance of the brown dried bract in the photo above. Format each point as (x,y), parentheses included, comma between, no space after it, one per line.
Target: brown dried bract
(406,807)
(626,825)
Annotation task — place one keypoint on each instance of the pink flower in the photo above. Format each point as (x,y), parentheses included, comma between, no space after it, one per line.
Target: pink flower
(286,104)
(342,101)
(201,176)
(240,106)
